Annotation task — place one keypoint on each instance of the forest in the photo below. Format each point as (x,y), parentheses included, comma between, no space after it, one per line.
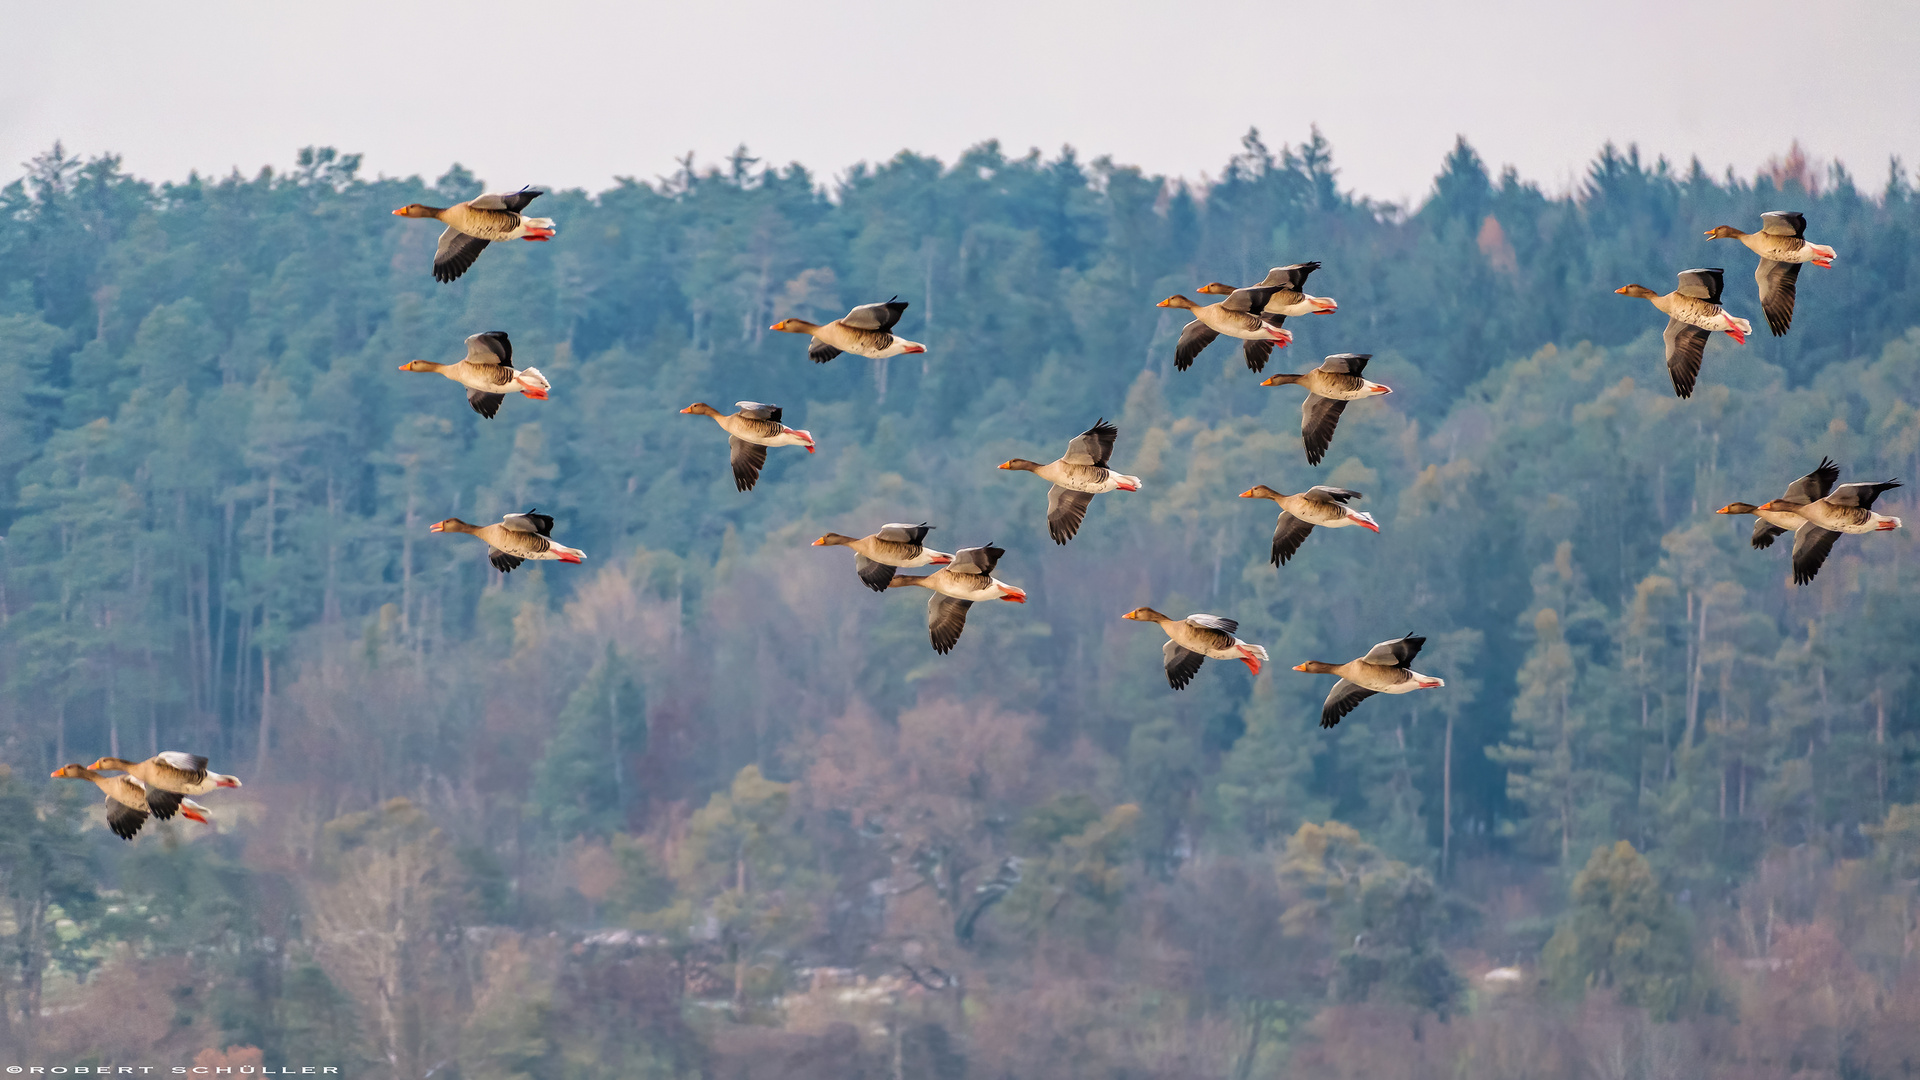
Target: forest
(705,806)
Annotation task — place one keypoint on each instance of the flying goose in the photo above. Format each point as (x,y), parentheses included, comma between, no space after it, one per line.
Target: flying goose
(1384,670)
(1236,316)
(866,331)
(128,800)
(1078,475)
(1192,639)
(749,432)
(967,578)
(1323,506)
(1782,245)
(1772,523)
(487,373)
(1329,387)
(1290,297)
(896,545)
(1846,509)
(170,770)
(474,224)
(515,539)
(1693,313)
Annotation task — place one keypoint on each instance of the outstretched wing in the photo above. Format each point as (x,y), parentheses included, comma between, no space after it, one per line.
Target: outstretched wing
(900,532)
(1288,535)
(1685,345)
(124,820)
(976,560)
(515,201)
(1291,278)
(487,405)
(1181,664)
(492,347)
(1066,509)
(1784,223)
(456,252)
(1341,700)
(876,575)
(1318,417)
(1702,283)
(502,561)
(1765,533)
(1811,544)
(1196,336)
(533,521)
(1249,301)
(820,352)
(946,618)
(1777,281)
(1092,446)
(1860,495)
(1258,352)
(758,410)
(748,459)
(876,316)
(1346,363)
(1815,484)
(163,804)
(1322,493)
(1396,653)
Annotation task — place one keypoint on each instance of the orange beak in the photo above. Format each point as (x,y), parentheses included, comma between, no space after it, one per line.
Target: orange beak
(1163,303)
(688,409)
(435,527)
(57,772)
(1726,510)
(1621,291)
(822,542)
(402,212)
(1247,494)
(776,326)
(1383,389)
(1299,667)
(1006,465)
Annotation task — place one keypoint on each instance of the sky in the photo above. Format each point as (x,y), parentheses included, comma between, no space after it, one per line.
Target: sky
(572,94)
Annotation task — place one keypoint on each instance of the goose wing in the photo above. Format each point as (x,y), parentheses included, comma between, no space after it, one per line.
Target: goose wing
(124,820)
(748,459)
(1066,509)
(1318,417)
(1259,352)
(533,521)
(758,410)
(876,575)
(875,316)
(454,254)
(1702,283)
(1860,495)
(502,561)
(976,560)
(1092,446)
(946,618)
(897,532)
(1345,696)
(1292,278)
(1765,533)
(1346,363)
(514,201)
(1784,223)
(487,405)
(193,765)
(1686,343)
(1815,484)
(1214,622)
(491,347)
(163,804)
(1248,301)
(1181,663)
(1288,535)
(820,352)
(1196,336)
(1396,653)
(1777,281)
(1322,493)
(1811,545)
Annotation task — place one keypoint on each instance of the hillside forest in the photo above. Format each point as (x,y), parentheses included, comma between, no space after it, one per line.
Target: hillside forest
(705,806)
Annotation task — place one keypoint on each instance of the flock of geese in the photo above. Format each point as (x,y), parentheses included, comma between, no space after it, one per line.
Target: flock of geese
(1814,509)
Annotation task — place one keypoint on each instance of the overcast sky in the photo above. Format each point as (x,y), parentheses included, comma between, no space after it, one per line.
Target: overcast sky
(565,93)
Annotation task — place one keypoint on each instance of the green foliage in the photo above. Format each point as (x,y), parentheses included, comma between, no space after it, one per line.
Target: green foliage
(584,784)
(1623,933)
